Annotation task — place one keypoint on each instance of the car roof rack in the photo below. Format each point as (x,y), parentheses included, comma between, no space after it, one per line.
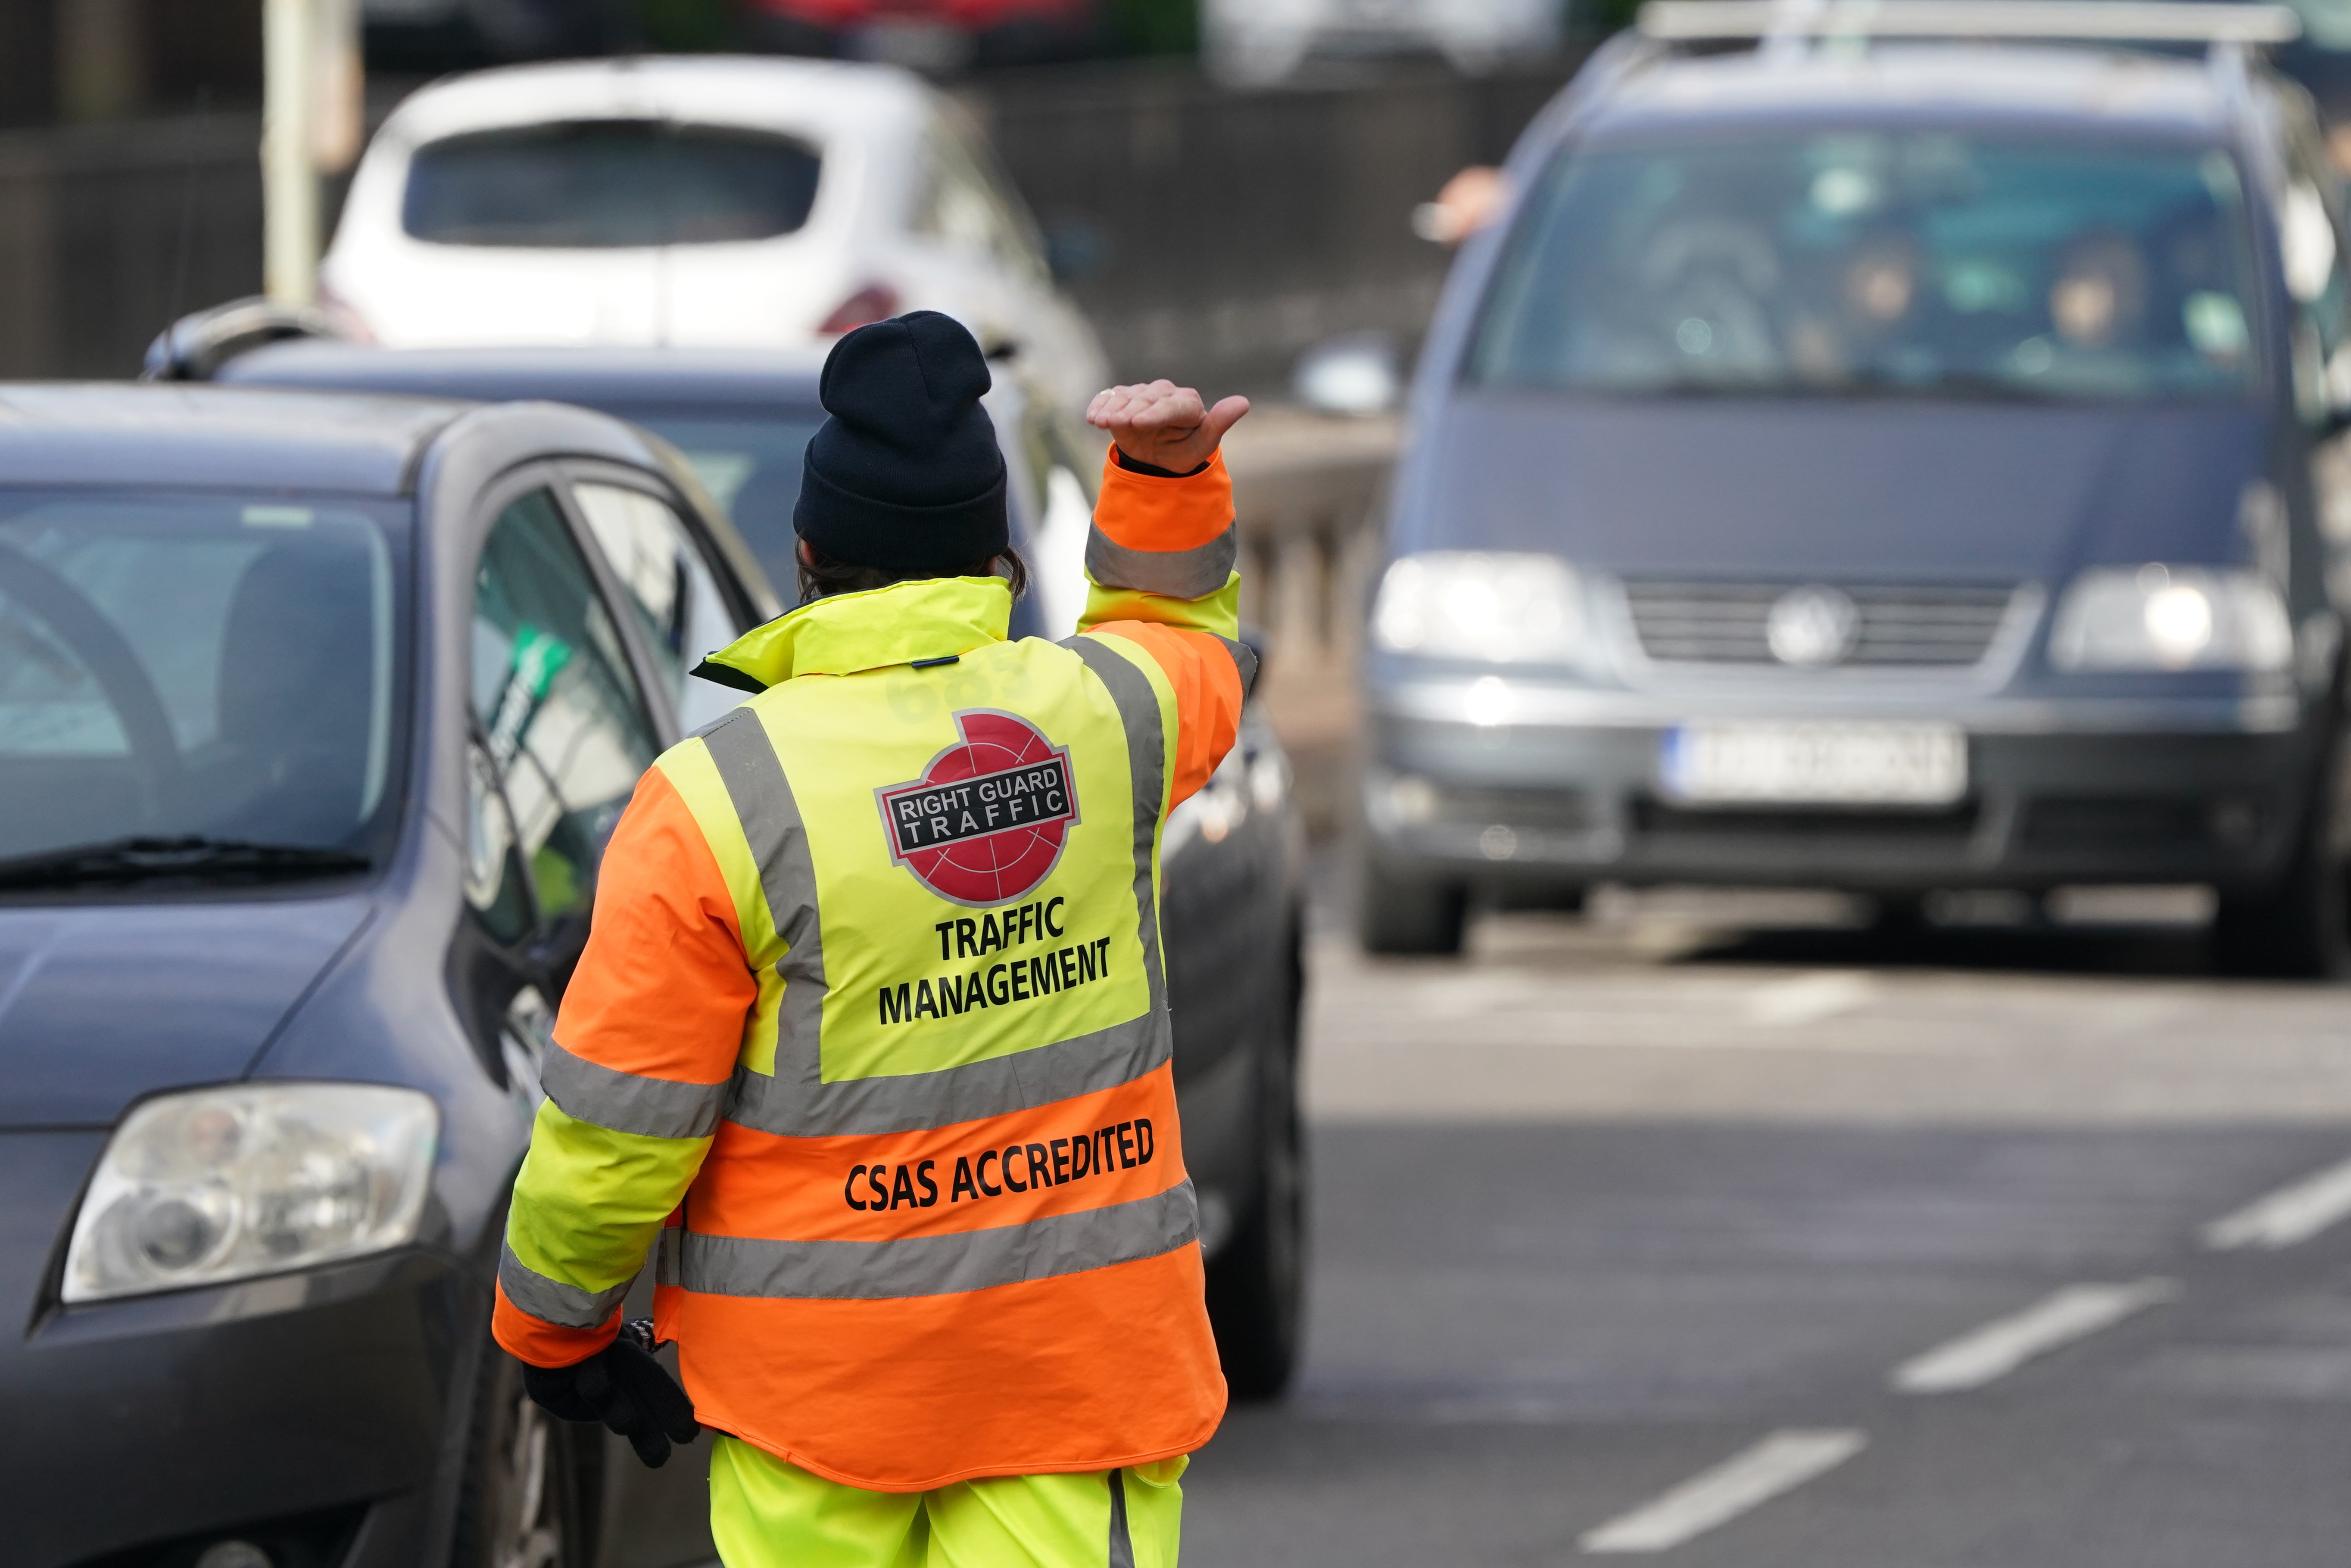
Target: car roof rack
(2116,21)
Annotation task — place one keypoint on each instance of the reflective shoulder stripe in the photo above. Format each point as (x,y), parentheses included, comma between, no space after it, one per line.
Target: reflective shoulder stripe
(1192,574)
(629,1101)
(931,1265)
(692,771)
(552,1300)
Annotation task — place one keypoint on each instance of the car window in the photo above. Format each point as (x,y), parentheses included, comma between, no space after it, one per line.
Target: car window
(1879,263)
(595,183)
(563,723)
(192,666)
(963,205)
(670,588)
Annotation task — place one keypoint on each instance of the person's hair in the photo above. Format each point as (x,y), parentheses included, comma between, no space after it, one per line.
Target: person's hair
(823,575)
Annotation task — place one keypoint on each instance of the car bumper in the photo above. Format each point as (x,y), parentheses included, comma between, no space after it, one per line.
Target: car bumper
(307,1411)
(1564,791)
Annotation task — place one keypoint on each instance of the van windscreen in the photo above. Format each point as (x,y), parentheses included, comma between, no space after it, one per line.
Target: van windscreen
(606,183)
(1878,264)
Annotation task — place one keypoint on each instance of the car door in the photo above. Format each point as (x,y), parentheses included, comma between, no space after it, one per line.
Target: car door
(568,705)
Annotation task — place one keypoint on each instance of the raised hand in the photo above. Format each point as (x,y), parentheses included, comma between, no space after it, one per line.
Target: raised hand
(1163,424)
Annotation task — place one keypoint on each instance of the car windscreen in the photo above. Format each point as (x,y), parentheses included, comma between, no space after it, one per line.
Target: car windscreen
(751,465)
(1878,262)
(204,679)
(600,183)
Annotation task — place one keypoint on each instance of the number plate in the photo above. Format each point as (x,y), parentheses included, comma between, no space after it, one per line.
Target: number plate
(1816,763)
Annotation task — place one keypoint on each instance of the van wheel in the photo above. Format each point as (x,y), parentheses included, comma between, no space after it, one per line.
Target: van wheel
(1257,1284)
(531,1481)
(2299,929)
(1399,912)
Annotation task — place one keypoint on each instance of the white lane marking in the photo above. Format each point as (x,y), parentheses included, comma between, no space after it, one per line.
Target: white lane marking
(1780,1462)
(1985,1355)
(2290,1215)
(1808,998)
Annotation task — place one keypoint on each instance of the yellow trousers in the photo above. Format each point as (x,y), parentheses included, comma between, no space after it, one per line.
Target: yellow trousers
(765,1513)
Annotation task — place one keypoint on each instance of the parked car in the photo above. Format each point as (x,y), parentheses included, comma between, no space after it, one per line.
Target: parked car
(696,201)
(1896,471)
(314,715)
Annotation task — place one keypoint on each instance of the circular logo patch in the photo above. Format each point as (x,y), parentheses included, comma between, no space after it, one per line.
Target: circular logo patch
(987,818)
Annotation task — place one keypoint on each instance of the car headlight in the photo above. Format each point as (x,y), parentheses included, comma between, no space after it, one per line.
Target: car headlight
(223,1184)
(1488,604)
(2171,617)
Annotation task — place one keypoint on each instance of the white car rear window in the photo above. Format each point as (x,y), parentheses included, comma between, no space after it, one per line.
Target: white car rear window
(602,183)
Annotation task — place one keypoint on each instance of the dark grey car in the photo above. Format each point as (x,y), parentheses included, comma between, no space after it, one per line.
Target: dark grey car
(1900,472)
(316,711)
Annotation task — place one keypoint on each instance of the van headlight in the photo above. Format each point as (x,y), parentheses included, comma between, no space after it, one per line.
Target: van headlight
(2171,617)
(1507,608)
(223,1184)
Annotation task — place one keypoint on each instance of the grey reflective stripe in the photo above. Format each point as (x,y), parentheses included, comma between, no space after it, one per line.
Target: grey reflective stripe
(795,1102)
(1192,573)
(552,1300)
(1244,659)
(1081,1065)
(1122,1542)
(1147,759)
(1039,1249)
(627,1103)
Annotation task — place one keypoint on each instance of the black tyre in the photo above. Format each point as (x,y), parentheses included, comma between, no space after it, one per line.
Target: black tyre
(1399,911)
(531,1481)
(2299,929)
(1257,1284)
(2296,930)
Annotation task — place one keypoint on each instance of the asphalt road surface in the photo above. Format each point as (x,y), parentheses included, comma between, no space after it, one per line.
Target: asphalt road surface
(1714,1231)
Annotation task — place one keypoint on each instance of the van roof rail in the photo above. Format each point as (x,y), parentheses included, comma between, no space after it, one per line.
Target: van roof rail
(2119,21)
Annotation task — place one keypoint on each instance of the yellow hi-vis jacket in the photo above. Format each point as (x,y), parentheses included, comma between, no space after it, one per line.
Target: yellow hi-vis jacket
(872,1030)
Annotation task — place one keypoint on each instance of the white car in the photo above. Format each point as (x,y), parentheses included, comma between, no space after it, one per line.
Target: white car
(695,201)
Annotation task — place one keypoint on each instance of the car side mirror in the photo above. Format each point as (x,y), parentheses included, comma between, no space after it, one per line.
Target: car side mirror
(1356,373)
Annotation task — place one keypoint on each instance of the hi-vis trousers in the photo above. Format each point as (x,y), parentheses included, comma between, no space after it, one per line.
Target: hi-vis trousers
(765,1513)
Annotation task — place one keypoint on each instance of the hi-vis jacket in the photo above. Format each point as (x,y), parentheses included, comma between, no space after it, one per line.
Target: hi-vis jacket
(872,1030)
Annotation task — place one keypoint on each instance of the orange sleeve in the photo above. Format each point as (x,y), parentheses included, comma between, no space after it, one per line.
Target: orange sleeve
(544,1343)
(1199,665)
(1160,513)
(664,987)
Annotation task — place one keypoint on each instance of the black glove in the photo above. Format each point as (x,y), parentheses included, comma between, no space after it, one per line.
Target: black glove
(624,1387)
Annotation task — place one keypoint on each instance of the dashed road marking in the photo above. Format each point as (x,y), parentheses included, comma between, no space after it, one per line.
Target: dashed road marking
(2291,1215)
(1987,1354)
(1809,998)
(1780,1463)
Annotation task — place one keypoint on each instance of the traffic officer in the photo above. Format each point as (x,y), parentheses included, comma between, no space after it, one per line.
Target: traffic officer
(873,1029)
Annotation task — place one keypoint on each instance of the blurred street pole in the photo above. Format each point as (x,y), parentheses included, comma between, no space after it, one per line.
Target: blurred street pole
(310,126)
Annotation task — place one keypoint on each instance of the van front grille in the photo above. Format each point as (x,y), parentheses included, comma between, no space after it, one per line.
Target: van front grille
(1729,623)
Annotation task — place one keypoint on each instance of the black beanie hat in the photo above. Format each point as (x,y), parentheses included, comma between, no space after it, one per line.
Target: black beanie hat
(906,475)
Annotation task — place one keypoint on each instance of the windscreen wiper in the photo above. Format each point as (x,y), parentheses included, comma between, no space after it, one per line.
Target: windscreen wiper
(145,859)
